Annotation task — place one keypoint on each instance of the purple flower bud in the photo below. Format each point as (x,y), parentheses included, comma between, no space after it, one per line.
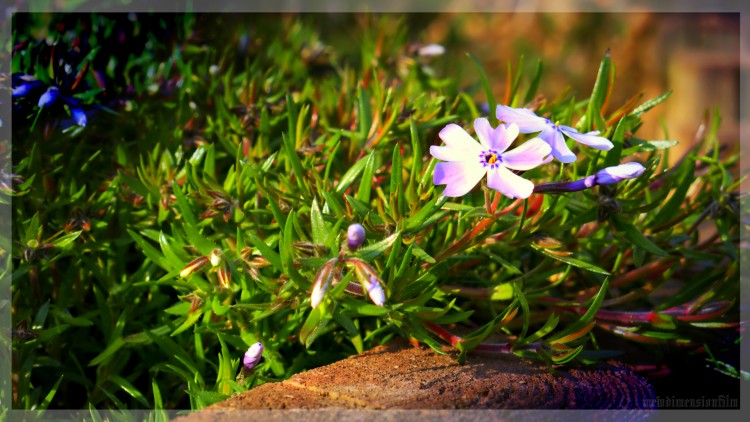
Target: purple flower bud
(619,173)
(79,116)
(49,97)
(375,291)
(607,176)
(355,236)
(253,355)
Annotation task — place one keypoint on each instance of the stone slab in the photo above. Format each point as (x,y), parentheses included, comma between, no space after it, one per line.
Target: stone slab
(402,376)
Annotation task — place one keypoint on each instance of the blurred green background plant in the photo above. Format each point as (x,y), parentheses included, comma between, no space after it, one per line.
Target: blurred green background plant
(266,136)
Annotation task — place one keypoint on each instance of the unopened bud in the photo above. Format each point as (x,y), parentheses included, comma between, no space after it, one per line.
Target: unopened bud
(49,97)
(216,257)
(253,355)
(619,173)
(224,276)
(194,266)
(321,282)
(375,291)
(607,176)
(355,236)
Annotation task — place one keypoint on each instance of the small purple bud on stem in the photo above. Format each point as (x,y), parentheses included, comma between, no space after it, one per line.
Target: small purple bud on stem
(375,291)
(79,116)
(49,97)
(611,175)
(253,355)
(355,236)
(607,176)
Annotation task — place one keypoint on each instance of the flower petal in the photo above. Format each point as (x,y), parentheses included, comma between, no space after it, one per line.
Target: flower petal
(526,120)
(451,154)
(455,136)
(508,183)
(484,131)
(459,176)
(559,149)
(530,154)
(589,138)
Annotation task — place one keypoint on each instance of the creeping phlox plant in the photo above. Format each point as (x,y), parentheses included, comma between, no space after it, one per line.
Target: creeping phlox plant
(300,202)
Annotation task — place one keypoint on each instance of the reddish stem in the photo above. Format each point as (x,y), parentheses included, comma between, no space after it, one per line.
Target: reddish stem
(453,340)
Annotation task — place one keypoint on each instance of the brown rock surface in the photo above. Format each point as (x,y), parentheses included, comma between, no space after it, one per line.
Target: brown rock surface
(401,376)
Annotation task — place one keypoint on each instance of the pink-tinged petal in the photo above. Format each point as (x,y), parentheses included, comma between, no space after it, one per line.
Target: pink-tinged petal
(504,136)
(526,120)
(590,139)
(454,154)
(459,176)
(455,136)
(527,156)
(484,131)
(559,149)
(508,183)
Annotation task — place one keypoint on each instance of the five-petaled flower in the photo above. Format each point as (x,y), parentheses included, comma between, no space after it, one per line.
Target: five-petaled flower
(551,133)
(467,161)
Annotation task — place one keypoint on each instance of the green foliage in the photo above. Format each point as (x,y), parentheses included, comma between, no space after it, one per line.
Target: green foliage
(270,158)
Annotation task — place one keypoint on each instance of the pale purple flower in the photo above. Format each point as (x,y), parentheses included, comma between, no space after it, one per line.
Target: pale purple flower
(607,176)
(467,161)
(253,355)
(375,291)
(49,97)
(355,236)
(79,116)
(552,133)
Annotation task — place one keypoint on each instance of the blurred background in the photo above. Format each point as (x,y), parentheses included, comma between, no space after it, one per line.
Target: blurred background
(695,55)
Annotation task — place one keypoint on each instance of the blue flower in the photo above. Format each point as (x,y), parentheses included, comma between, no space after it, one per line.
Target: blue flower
(49,97)
(79,116)
(24,84)
(551,133)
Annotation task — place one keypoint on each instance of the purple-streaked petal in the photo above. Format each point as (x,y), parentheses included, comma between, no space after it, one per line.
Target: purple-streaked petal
(508,183)
(455,136)
(459,176)
(559,149)
(619,173)
(526,120)
(590,138)
(530,154)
